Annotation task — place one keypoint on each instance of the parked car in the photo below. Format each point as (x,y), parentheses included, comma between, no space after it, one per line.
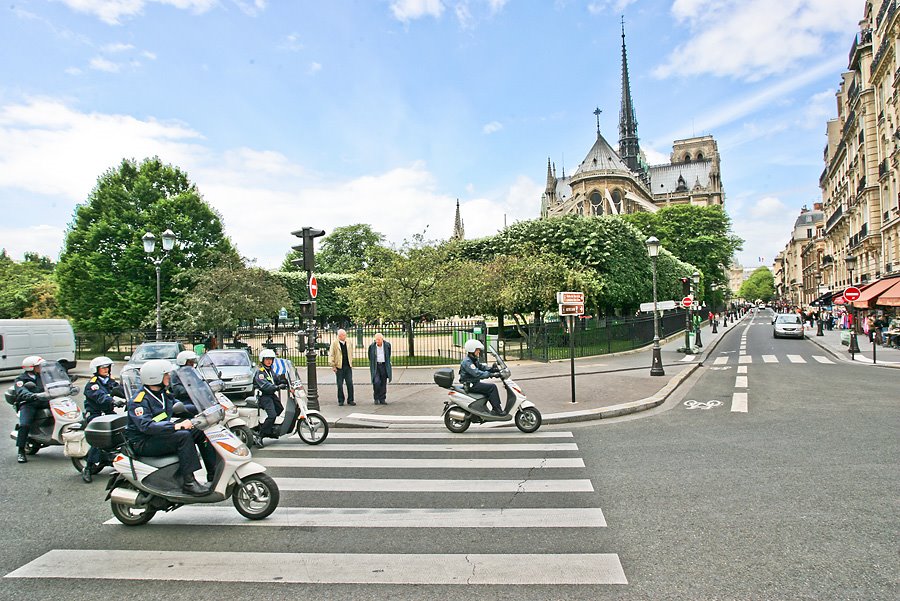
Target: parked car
(235,370)
(154,350)
(788,325)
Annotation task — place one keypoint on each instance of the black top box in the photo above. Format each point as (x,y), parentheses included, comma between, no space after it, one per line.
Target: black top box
(444,377)
(107,431)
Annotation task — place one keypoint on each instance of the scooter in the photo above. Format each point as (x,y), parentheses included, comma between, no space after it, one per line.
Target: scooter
(309,424)
(464,407)
(234,421)
(59,424)
(141,486)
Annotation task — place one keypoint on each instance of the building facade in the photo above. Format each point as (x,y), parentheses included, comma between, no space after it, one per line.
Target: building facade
(614,182)
(798,265)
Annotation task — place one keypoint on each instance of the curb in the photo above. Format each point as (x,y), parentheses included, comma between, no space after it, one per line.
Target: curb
(358,421)
(847,361)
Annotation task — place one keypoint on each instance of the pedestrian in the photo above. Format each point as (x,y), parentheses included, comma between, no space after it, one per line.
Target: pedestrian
(380,368)
(340,358)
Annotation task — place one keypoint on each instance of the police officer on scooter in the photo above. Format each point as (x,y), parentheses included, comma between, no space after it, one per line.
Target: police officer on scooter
(152,431)
(184,358)
(268,383)
(472,371)
(98,400)
(30,398)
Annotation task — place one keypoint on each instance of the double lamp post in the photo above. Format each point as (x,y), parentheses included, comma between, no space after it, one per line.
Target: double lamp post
(168,243)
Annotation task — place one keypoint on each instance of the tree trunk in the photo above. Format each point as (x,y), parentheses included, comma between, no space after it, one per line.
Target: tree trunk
(410,340)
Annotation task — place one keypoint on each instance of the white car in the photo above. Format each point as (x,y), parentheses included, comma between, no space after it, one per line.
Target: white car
(235,370)
(788,325)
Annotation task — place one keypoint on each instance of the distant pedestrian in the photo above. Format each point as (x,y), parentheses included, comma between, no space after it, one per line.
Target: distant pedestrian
(340,358)
(380,368)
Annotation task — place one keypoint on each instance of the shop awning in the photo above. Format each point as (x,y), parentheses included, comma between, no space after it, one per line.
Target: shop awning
(891,296)
(823,300)
(839,300)
(868,296)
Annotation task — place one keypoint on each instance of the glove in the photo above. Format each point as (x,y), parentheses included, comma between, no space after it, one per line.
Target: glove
(42,396)
(117,402)
(494,369)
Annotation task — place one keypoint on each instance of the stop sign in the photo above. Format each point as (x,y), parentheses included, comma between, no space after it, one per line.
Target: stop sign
(313,287)
(851,293)
(686,302)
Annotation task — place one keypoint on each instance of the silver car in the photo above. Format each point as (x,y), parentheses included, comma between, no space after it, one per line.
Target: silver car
(788,325)
(235,370)
(154,350)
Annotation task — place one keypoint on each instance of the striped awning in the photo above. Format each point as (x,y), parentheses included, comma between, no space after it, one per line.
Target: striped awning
(891,296)
(869,296)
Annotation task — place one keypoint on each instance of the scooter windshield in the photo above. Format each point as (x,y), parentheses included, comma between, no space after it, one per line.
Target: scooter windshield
(500,362)
(55,379)
(131,381)
(201,394)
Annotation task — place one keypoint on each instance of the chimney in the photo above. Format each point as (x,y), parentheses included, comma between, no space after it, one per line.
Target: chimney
(817,206)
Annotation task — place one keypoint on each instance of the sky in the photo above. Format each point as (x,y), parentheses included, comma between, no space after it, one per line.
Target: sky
(292,113)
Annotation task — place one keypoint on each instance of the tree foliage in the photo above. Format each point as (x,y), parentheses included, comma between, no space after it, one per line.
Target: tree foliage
(759,286)
(27,288)
(331,307)
(347,249)
(106,281)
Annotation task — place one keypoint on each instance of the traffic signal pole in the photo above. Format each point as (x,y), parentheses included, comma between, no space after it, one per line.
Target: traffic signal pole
(308,262)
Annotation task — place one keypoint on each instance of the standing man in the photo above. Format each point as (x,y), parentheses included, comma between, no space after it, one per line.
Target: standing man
(380,368)
(30,398)
(340,357)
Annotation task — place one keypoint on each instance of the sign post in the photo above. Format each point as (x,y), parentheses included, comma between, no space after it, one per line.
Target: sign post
(308,262)
(687,302)
(571,305)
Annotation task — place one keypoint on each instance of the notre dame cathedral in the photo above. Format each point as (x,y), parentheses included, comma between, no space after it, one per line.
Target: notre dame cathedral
(610,182)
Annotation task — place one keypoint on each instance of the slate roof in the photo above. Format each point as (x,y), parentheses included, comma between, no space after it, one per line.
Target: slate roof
(664,178)
(601,157)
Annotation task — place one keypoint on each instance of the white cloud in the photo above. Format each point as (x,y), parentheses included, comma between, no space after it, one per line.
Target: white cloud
(752,39)
(464,15)
(148,55)
(99,63)
(768,206)
(113,11)
(251,8)
(492,127)
(73,71)
(756,224)
(314,67)
(410,10)
(654,157)
(819,108)
(45,240)
(292,42)
(117,47)
(602,6)
(51,150)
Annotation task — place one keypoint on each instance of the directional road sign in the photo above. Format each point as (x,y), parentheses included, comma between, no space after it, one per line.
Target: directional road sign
(571,309)
(661,305)
(570,298)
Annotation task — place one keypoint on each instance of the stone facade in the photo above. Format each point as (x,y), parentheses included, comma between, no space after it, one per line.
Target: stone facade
(798,264)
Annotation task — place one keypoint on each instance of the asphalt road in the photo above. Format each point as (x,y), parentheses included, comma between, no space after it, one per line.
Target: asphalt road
(795,498)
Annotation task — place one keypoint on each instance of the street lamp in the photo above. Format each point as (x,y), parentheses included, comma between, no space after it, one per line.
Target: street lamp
(819,331)
(715,303)
(168,243)
(850,261)
(696,279)
(656,368)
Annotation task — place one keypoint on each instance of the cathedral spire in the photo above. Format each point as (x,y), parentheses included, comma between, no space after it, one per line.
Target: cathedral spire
(459,231)
(629,149)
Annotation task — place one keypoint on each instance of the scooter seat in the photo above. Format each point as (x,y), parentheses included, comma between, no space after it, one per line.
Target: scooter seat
(472,395)
(250,403)
(159,462)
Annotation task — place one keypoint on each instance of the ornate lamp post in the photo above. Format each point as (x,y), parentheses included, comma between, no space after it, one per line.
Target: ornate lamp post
(168,243)
(696,279)
(656,368)
(850,261)
(819,331)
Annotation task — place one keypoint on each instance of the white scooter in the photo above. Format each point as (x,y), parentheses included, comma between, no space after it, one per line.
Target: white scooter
(463,407)
(142,486)
(59,424)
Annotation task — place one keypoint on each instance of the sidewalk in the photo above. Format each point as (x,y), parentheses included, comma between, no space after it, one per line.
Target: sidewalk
(831,343)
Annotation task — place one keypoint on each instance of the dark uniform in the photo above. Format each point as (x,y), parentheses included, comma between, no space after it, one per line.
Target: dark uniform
(471,372)
(177,390)
(267,382)
(98,400)
(28,403)
(151,432)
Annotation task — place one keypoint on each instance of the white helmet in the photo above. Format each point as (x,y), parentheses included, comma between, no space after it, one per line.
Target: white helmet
(266,354)
(473,345)
(185,356)
(98,362)
(29,363)
(153,371)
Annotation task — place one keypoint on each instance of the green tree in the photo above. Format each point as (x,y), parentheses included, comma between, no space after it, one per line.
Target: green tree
(759,286)
(330,305)
(27,288)
(106,281)
(347,249)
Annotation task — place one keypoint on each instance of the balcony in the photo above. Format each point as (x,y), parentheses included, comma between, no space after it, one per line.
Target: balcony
(882,49)
(863,38)
(834,218)
(883,168)
(861,186)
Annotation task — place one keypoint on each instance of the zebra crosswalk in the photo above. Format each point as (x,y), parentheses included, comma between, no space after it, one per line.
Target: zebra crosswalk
(767,359)
(510,482)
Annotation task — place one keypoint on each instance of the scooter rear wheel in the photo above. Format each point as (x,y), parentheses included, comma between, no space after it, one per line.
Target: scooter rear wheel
(132,516)
(528,420)
(78,462)
(245,435)
(257,498)
(457,426)
(312,429)
(31,447)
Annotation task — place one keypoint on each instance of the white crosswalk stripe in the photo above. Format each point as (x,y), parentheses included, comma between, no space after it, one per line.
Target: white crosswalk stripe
(688,358)
(720,361)
(450,490)
(796,359)
(769,359)
(822,359)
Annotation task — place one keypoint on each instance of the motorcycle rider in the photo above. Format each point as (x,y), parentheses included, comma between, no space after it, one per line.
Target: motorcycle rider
(151,431)
(30,398)
(98,400)
(268,383)
(472,371)
(189,359)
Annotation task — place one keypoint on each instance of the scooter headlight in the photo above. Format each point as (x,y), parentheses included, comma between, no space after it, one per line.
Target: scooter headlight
(73,415)
(240,450)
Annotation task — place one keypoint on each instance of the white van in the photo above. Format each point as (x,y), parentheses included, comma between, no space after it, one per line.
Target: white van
(52,339)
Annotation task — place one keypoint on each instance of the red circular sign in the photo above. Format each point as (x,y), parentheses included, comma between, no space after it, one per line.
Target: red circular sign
(852,293)
(313,286)
(686,302)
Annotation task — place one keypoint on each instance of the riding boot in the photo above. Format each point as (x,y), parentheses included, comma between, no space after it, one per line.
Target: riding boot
(87,473)
(192,487)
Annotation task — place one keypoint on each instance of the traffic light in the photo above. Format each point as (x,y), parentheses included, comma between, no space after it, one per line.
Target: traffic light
(307,234)
(686,286)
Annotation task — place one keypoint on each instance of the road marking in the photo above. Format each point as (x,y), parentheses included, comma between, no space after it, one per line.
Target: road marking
(770,359)
(504,435)
(430,448)
(739,402)
(796,359)
(740,382)
(742,369)
(330,568)
(692,404)
(385,463)
(720,361)
(387,517)
(688,357)
(822,359)
(417,485)
(745,359)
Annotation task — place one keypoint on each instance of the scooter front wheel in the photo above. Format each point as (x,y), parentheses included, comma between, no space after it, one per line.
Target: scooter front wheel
(257,498)
(312,429)
(457,426)
(528,420)
(245,435)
